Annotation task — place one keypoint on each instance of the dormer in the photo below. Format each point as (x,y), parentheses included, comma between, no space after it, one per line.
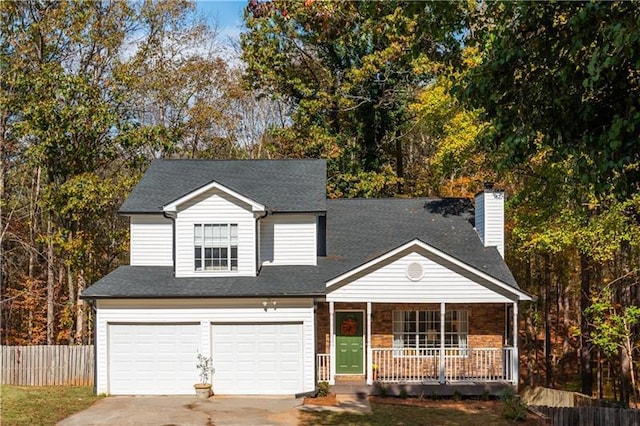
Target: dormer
(215,229)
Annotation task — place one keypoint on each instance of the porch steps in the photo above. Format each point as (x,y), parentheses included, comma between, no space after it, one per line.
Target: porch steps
(351,385)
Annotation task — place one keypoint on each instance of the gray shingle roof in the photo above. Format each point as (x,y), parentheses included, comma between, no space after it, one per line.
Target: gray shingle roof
(294,185)
(358,230)
(158,281)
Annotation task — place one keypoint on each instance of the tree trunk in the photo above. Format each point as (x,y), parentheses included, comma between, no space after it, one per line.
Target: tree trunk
(566,324)
(548,364)
(70,303)
(80,311)
(628,350)
(50,283)
(626,356)
(586,369)
(531,335)
(33,231)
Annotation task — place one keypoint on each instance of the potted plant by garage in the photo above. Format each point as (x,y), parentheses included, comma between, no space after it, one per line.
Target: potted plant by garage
(205,368)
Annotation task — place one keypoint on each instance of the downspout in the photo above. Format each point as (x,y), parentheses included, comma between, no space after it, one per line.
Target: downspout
(315,345)
(259,242)
(172,217)
(314,392)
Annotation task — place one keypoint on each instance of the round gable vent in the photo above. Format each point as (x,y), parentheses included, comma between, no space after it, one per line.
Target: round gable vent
(415,271)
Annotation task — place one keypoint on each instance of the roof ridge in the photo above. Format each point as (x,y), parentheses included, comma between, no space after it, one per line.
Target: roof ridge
(400,199)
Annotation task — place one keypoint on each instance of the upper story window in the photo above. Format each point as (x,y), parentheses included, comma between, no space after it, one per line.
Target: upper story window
(216,247)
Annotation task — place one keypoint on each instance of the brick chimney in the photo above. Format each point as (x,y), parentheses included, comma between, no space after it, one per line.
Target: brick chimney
(490,217)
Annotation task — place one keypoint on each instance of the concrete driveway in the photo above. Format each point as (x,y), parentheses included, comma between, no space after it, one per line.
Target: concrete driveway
(187,410)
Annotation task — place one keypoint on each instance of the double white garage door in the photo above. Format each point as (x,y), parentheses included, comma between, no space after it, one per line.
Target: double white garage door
(248,358)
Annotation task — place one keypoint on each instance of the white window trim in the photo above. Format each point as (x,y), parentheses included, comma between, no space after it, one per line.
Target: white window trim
(229,246)
(431,317)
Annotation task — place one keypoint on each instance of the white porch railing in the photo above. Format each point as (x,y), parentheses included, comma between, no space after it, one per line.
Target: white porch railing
(423,366)
(405,365)
(324,367)
(472,364)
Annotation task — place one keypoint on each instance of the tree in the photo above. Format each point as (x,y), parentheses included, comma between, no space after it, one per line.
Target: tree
(558,86)
(442,153)
(614,329)
(563,76)
(80,81)
(349,71)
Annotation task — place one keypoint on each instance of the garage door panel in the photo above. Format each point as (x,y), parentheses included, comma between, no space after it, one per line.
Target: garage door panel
(153,358)
(257,358)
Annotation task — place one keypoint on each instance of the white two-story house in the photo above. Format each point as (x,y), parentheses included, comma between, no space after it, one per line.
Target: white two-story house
(248,262)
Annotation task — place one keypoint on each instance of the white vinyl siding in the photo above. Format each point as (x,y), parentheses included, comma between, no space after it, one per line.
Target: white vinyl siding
(288,239)
(215,207)
(151,240)
(205,313)
(389,284)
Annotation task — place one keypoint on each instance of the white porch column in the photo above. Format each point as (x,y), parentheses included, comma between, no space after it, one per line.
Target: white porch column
(442,315)
(514,361)
(332,345)
(369,350)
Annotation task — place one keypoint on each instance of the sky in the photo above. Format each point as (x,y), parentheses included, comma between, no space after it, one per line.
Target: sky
(227,14)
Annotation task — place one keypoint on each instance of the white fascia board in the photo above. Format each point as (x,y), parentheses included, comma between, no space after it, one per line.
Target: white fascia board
(173,206)
(419,244)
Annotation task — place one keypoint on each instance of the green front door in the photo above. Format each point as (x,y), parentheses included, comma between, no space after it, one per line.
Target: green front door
(349,343)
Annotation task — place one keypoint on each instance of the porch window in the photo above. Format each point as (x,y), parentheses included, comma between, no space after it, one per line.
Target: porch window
(215,247)
(420,330)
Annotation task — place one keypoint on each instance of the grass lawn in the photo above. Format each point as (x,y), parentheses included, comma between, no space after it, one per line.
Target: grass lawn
(44,405)
(384,414)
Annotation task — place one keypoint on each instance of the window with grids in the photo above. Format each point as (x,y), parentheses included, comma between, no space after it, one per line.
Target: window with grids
(216,247)
(421,329)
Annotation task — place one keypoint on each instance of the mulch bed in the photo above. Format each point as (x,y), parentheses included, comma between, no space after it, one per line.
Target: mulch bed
(325,401)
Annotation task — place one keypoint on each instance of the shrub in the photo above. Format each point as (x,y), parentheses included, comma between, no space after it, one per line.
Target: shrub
(403,393)
(514,409)
(323,388)
(457,396)
(382,390)
(435,396)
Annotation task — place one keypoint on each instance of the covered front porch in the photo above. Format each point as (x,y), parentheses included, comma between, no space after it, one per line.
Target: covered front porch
(417,343)
(417,315)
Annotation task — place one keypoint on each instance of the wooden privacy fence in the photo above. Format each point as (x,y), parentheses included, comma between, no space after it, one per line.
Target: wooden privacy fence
(47,365)
(590,416)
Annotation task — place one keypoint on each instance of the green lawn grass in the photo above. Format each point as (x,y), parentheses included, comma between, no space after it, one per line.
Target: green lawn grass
(46,405)
(383,414)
